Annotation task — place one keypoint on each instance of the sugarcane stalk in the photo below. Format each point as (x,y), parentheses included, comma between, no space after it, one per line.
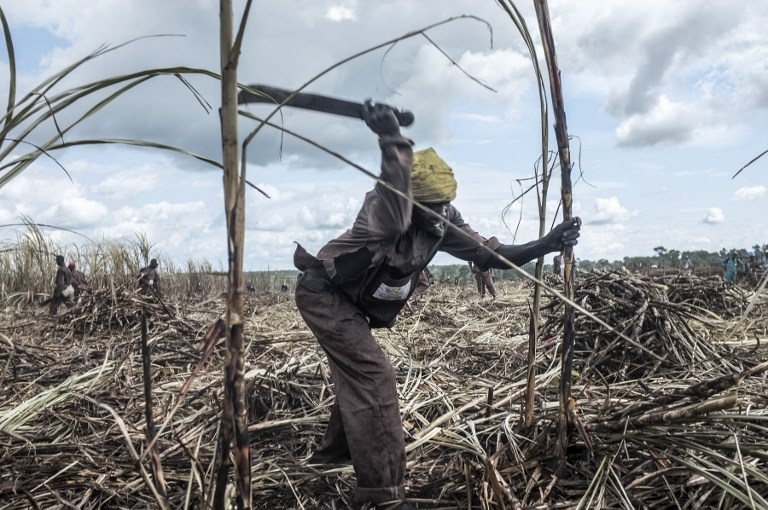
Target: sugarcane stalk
(666,416)
(561,132)
(533,326)
(234,417)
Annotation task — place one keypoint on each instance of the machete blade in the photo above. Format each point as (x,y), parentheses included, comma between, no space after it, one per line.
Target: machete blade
(260,93)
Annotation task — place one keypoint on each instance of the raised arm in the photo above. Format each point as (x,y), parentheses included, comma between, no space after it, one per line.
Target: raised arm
(389,213)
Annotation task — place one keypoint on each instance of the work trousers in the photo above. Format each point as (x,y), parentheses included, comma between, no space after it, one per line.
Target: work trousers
(365,421)
(485,281)
(57,299)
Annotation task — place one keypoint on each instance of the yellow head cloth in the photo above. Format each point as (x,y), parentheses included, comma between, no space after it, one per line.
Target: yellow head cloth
(432,179)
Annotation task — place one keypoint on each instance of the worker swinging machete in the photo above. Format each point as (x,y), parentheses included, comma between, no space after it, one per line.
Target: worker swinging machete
(259,93)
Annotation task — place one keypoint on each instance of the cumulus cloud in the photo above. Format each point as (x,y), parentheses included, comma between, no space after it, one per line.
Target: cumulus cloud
(75,213)
(667,123)
(640,74)
(749,193)
(714,216)
(606,242)
(325,214)
(609,211)
(699,56)
(52,200)
(128,182)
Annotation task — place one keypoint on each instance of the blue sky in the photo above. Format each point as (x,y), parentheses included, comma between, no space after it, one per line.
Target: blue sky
(667,99)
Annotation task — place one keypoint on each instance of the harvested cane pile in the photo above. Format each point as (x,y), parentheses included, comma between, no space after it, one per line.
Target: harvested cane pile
(73,422)
(659,324)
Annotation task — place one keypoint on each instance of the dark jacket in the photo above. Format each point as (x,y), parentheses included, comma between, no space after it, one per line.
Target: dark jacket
(79,278)
(63,279)
(376,263)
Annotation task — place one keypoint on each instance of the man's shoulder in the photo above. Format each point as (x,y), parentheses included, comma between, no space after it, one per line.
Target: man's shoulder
(453,215)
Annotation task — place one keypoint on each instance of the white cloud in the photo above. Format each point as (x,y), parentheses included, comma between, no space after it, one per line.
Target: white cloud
(664,76)
(340,13)
(749,193)
(75,212)
(476,117)
(606,241)
(506,70)
(714,216)
(667,123)
(700,56)
(125,183)
(328,213)
(609,210)
(50,198)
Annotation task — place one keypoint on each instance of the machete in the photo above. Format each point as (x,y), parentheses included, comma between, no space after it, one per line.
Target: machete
(259,93)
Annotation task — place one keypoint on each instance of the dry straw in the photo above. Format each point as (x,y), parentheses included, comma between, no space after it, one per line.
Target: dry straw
(689,429)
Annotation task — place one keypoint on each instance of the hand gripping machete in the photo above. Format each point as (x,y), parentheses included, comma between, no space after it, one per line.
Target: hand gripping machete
(259,93)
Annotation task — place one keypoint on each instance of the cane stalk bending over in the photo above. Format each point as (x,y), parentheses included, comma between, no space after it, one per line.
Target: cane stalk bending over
(363,278)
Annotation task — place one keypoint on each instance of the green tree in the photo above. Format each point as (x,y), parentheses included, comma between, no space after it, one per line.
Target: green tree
(673,258)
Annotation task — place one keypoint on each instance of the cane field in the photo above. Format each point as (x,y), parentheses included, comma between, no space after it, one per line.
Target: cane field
(672,416)
(208,396)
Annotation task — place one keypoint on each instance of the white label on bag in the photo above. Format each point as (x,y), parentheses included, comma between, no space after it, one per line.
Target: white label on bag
(387,293)
(68,292)
(151,282)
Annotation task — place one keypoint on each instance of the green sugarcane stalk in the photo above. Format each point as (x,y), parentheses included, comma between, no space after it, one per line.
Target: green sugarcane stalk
(561,132)
(533,326)
(234,417)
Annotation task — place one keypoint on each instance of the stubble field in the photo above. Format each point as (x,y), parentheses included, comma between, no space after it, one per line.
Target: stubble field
(674,418)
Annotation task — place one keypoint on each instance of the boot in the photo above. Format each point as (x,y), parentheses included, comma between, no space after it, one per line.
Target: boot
(321,457)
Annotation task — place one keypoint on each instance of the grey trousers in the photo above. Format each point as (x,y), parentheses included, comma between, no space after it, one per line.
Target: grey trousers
(365,420)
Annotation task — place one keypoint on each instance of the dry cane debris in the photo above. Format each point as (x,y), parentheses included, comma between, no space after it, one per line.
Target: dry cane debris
(674,417)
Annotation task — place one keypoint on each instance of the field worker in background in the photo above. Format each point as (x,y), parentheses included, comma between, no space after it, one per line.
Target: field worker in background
(751,261)
(731,266)
(149,278)
(78,279)
(483,279)
(425,282)
(63,291)
(686,265)
(363,278)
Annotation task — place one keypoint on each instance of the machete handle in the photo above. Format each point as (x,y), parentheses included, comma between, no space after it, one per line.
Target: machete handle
(404,117)
(259,93)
